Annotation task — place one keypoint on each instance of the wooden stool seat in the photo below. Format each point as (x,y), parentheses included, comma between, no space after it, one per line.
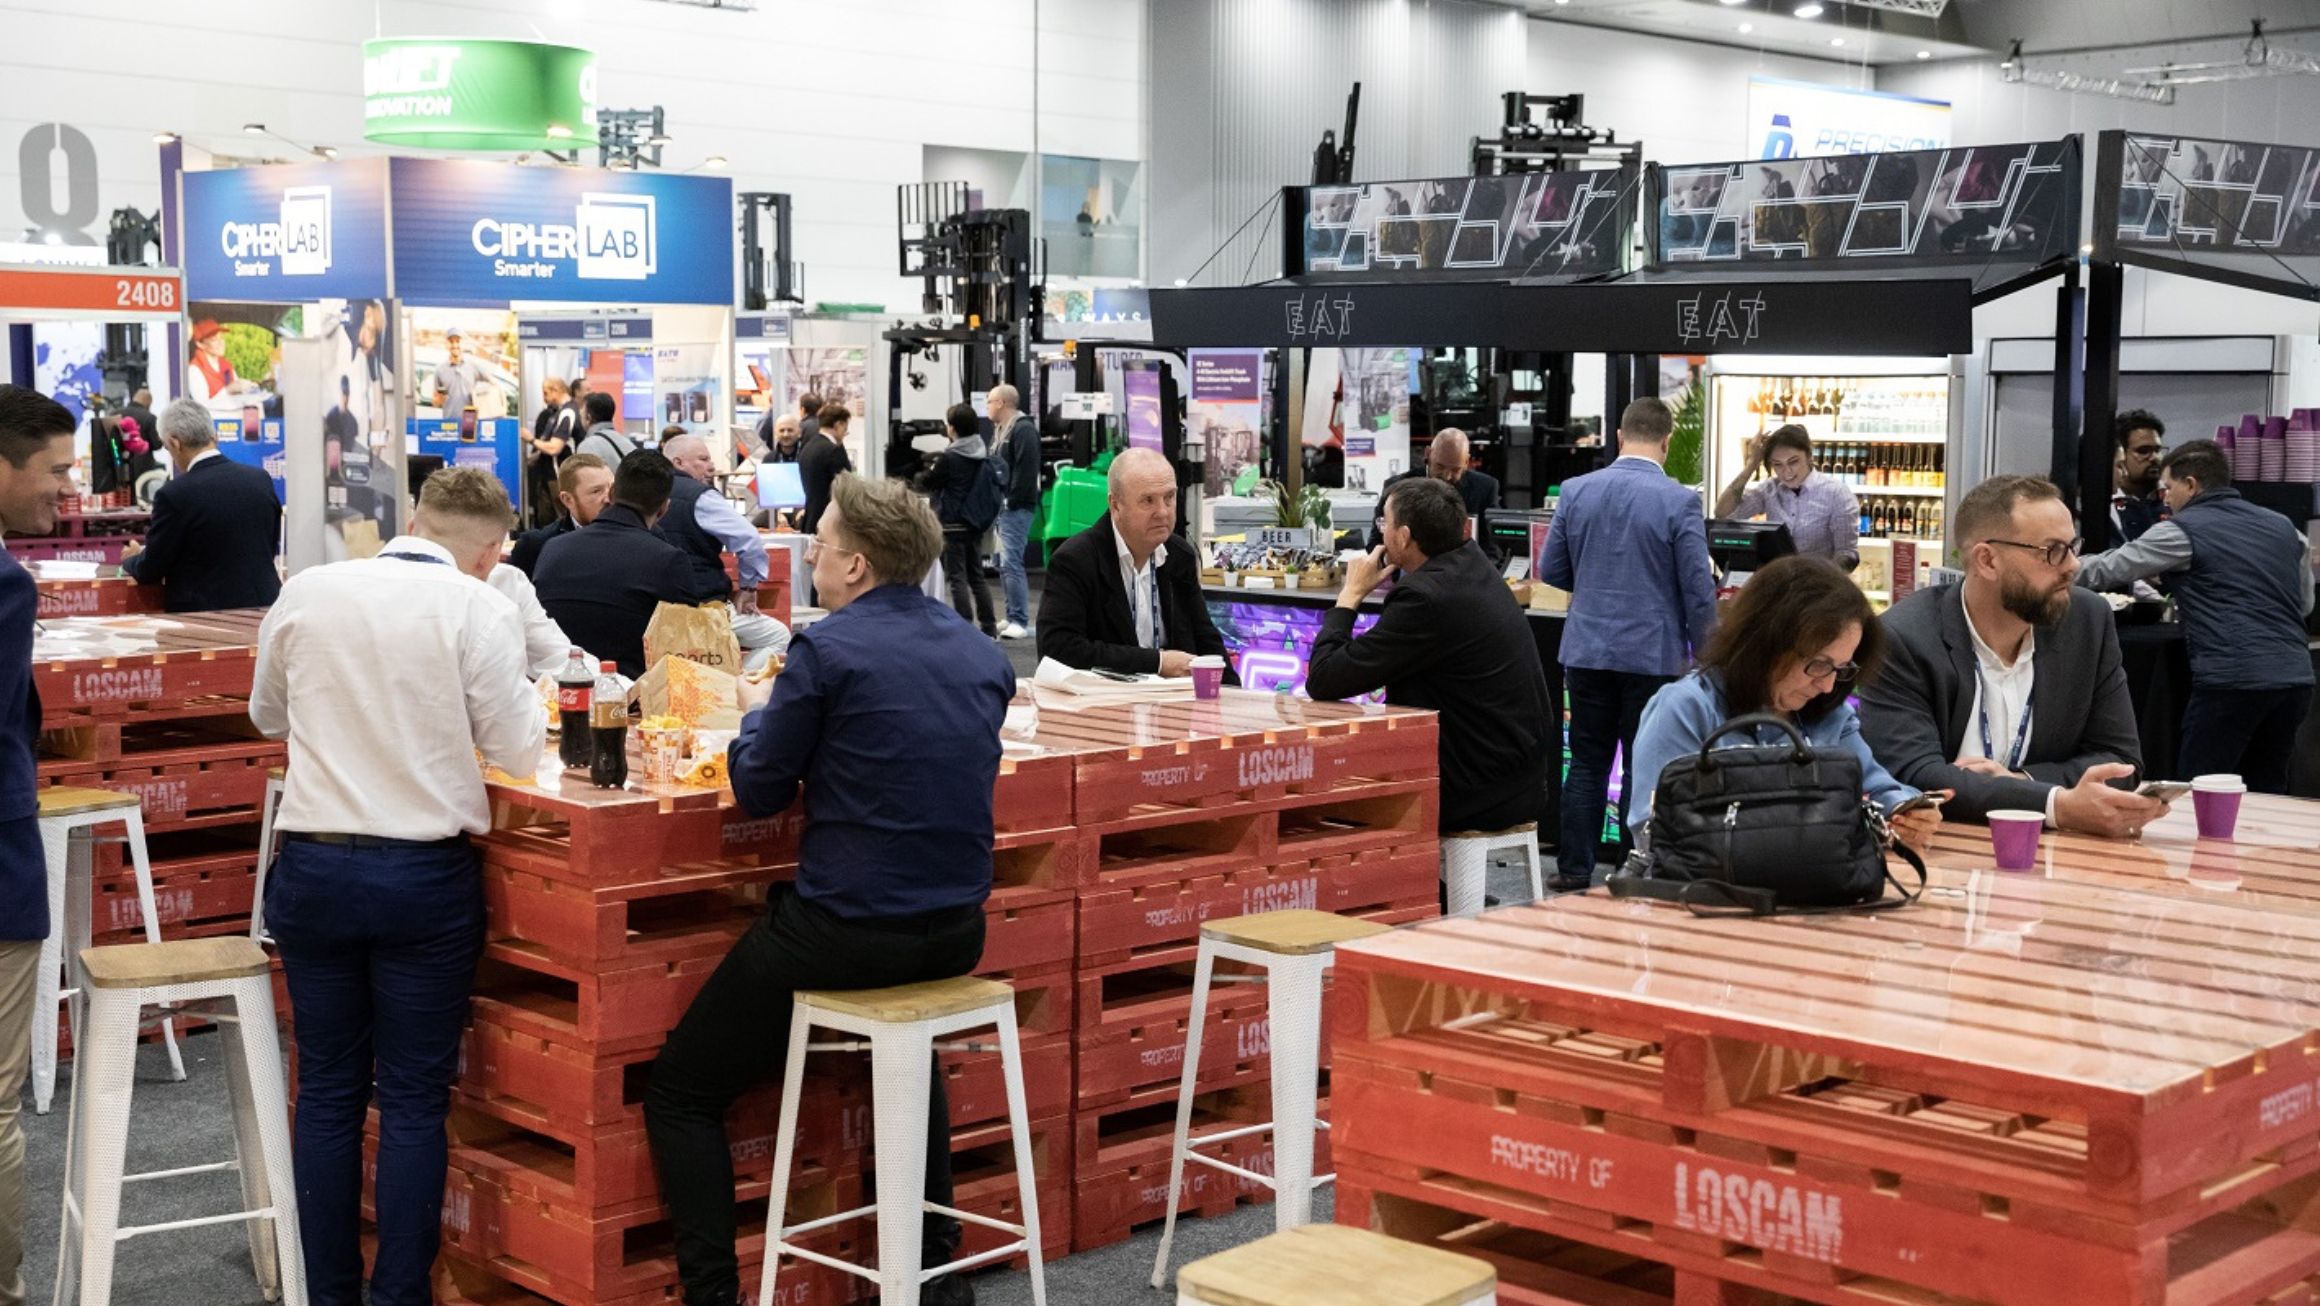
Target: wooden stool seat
(904,1003)
(179,961)
(1338,1264)
(1527,827)
(1293,933)
(277,772)
(70,800)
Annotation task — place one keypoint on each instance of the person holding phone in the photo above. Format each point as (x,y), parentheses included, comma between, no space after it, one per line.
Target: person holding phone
(1451,638)
(1795,643)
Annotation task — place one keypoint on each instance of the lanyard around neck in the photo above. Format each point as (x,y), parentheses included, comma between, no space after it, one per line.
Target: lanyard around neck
(2013,759)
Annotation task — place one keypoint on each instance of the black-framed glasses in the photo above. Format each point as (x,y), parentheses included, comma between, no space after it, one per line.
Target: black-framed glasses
(2052,554)
(1822,669)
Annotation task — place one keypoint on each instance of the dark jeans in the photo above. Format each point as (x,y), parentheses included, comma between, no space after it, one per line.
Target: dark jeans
(1605,708)
(2251,732)
(736,1035)
(970,592)
(380,946)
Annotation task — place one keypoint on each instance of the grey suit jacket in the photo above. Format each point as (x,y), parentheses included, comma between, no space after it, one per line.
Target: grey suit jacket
(1916,713)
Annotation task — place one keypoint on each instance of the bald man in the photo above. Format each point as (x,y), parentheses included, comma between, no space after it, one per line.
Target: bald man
(1124,594)
(704,525)
(1015,443)
(1446,461)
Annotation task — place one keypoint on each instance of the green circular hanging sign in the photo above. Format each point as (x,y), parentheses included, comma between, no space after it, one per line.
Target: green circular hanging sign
(457,94)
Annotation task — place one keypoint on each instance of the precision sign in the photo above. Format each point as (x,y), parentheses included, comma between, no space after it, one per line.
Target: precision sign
(445,94)
(104,294)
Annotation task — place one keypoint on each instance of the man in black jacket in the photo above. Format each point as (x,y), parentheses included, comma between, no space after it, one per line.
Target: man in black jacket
(215,524)
(1124,594)
(583,486)
(1450,637)
(964,495)
(1446,460)
(602,583)
(1015,443)
(821,457)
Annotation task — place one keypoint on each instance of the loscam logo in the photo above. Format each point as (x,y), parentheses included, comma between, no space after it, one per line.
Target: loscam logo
(1774,1217)
(611,238)
(300,241)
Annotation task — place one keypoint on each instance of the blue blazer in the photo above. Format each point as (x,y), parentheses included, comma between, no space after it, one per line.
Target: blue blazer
(1631,545)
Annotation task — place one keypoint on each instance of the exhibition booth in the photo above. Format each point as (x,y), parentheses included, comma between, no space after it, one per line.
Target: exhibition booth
(349,316)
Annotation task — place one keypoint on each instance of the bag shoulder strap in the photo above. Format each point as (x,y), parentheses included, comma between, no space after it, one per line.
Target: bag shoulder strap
(1724,898)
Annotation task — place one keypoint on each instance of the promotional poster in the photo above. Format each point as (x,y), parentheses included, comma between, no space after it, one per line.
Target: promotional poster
(1357,401)
(465,364)
(1227,411)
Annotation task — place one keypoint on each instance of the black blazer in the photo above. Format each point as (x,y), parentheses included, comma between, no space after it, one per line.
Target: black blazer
(1450,637)
(1915,714)
(820,459)
(1084,617)
(602,582)
(525,556)
(211,545)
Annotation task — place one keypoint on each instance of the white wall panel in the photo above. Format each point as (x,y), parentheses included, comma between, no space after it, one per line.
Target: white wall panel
(830,100)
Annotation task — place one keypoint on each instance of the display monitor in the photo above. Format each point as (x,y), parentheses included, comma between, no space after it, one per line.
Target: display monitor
(779,486)
(1270,644)
(1747,545)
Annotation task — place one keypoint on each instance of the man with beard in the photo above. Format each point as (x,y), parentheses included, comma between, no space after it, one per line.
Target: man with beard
(2136,504)
(2007,687)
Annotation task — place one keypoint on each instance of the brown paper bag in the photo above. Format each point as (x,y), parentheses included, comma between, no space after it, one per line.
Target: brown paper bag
(703,635)
(703,697)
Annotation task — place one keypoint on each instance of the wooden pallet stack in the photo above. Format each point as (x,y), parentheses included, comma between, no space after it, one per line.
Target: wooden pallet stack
(2021,1091)
(1191,811)
(609,910)
(91,596)
(159,707)
(96,535)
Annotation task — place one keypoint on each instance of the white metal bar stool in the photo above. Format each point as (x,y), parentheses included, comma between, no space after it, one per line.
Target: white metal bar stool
(903,1025)
(1466,865)
(267,847)
(229,976)
(67,815)
(1295,948)
(1335,1263)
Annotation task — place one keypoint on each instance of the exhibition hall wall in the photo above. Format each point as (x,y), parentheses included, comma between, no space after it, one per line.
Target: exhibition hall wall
(831,102)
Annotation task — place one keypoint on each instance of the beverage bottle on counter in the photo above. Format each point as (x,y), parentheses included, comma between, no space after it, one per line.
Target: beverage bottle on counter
(575,687)
(608,731)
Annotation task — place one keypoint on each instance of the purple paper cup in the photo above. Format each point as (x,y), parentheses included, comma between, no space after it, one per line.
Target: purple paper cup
(1207,676)
(2215,804)
(2014,839)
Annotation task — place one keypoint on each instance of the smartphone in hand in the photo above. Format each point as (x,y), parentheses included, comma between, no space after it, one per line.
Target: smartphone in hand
(2166,791)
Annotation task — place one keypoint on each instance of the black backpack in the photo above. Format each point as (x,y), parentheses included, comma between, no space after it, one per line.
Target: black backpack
(985,496)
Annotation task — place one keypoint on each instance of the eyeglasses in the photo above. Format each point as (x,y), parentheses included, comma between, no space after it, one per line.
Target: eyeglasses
(2052,554)
(815,545)
(1823,669)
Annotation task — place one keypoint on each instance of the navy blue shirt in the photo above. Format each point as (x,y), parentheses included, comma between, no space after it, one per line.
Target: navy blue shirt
(888,714)
(23,866)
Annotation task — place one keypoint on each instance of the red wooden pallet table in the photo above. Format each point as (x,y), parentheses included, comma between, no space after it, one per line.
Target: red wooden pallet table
(91,596)
(2025,1091)
(2270,861)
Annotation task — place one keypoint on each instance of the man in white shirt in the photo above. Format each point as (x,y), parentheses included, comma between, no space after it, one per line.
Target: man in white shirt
(2007,688)
(546,646)
(388,675)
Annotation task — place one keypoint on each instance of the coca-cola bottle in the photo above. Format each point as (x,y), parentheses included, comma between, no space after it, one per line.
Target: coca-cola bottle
(575,688)
(608,731)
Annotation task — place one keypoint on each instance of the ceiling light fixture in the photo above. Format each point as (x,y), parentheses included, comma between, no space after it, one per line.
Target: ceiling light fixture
(1925,54)
(1809,9)
(165,138)
(714,161)
(1746,28)
(1836,40)
(1732,2)
(2013,56)
(253,129)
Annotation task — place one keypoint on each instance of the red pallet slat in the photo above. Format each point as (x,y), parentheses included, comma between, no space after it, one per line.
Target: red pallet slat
(109,596)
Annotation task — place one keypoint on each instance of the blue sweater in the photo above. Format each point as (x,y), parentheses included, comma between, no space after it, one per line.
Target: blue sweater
(887,720)
(1688,711)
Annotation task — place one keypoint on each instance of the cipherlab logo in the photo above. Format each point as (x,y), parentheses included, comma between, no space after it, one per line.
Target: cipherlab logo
(613,237)
(299,242)
(618,237)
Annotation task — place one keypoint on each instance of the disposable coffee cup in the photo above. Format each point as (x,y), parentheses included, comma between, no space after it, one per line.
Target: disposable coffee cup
(1207,676)
(2014,838)
(2215,804)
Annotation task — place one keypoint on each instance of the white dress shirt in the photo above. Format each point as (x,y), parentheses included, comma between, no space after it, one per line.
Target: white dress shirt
(388,675)
(2004,693)
(546,646)
(1143,585)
